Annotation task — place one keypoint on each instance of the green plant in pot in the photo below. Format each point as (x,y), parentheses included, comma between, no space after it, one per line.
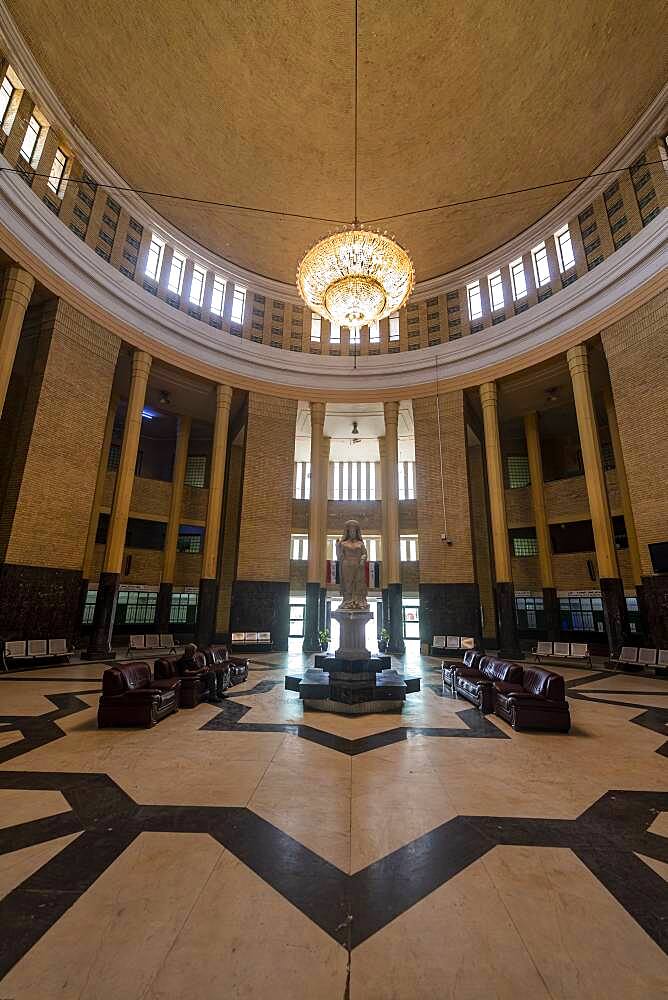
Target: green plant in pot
(383,640)
(323,636)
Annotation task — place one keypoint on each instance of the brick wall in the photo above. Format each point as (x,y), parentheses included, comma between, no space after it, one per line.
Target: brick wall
(570,571)
(151,499)
(266,512)
(565,500)
(637,352)
(146,567)
(441,563)
(73,375)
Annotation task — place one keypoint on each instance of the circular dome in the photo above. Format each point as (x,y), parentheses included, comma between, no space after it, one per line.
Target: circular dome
(227,103)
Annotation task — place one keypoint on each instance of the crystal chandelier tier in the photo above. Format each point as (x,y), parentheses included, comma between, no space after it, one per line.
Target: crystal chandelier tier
(356,277)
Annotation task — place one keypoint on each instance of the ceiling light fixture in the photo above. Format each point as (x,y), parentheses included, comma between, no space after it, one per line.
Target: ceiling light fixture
(359,276)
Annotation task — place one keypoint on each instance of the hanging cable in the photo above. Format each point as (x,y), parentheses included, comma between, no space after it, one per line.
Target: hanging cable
(355,110)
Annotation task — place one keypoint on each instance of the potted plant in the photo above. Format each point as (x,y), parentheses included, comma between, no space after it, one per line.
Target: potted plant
(323,636)
(383,640)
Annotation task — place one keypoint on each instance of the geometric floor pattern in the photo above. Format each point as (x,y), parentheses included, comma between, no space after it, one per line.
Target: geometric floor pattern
(438,852)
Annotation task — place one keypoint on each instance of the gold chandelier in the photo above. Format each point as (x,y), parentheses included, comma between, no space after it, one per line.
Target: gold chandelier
(356,277)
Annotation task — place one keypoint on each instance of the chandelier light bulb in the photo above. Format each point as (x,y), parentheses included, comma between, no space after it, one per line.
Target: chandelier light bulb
(355,278)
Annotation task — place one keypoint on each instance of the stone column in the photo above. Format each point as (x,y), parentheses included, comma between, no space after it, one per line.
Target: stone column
(505,592)
(612,590)
(391,555)
(311,643)
(625,496)
(107,592)
(206,609)
(322,616)
(16,292)
(173,524)
(89,554)
(550,601)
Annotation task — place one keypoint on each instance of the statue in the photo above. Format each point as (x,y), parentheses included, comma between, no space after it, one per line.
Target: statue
(352,556)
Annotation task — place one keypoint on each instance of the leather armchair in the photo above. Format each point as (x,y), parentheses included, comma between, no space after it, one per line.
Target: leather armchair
(130,697)
(477,685)
(449,668)
(538,701)
(193,688)
(238,666)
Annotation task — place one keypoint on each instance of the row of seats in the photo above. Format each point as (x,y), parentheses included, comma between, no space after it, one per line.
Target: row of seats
(132,697)
(17,650)
(635,657)
(452,643)
(525,697)
(152,642)
(562,651)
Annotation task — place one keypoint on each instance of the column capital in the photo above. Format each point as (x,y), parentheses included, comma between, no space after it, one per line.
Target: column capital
(578,358)
(489,394)
(391,412)
(317,410)
(223,395)
(18,285)
(141,363)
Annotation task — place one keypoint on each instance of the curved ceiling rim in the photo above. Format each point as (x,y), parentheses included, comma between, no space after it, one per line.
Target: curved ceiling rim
(32,236)
(25,64)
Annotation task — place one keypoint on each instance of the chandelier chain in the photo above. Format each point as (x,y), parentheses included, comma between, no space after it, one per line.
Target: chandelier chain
(356,97)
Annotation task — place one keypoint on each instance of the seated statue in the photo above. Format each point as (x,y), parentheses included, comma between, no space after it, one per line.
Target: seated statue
(352,556)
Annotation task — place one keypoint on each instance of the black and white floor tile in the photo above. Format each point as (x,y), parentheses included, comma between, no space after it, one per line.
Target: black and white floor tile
(252,849)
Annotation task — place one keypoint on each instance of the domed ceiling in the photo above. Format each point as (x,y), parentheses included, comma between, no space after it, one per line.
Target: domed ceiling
(253,104)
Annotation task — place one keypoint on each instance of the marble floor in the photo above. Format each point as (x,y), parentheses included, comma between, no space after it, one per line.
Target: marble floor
(252,850)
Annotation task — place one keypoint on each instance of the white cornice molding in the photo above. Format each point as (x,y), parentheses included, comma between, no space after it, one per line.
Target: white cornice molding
(651,122)
(33,236)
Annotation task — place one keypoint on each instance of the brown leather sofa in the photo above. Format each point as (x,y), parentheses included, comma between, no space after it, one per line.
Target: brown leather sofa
(449,668)
(477,684)
(218,654)
(194,687)
(536,701)
(131,697)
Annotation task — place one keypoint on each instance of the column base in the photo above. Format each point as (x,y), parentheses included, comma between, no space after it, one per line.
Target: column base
(450,609)
(615,613)
(396,645)
(655,602)
(551,613)
(164,608)
(311,643)
(99,644)
(206,612)
(509,643)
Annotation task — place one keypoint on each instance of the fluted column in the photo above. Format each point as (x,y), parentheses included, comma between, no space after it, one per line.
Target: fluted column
(173,524)
(311,643)
(391,554)
(612,590)
(17,289)
(505,591)
(107,593)
(544,543)
(206,609)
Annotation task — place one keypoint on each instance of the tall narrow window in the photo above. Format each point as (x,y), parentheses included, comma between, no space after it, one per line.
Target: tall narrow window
(156,250)
(374,333)
(372,485)
(299,547)
(176,270)
(316,327)
(197,285)
(334,333)
(496,291)
(518,279)
(565,248)
(475,302)
(540,265)
(394,326)
(6,94)
(408,548)
(217,295)
(57,178)
(238,304)
(302,480)
(30,139)
(406,472)
(354,336)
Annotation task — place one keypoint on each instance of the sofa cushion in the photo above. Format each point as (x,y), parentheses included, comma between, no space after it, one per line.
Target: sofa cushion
(505,689)
(471,658)
(544,683)
(499,670)
(126,676)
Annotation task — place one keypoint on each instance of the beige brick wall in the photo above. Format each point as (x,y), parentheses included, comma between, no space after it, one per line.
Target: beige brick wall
(565,500)
(146,567)
(151,498)
(266,513)
(441,563)
(570,571)
(637,352)
(55,497)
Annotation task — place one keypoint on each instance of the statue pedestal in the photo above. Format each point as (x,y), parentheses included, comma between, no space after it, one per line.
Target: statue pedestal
(352,625)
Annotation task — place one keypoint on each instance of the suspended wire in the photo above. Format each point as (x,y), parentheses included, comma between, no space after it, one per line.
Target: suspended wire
(320,218)
(356,104)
